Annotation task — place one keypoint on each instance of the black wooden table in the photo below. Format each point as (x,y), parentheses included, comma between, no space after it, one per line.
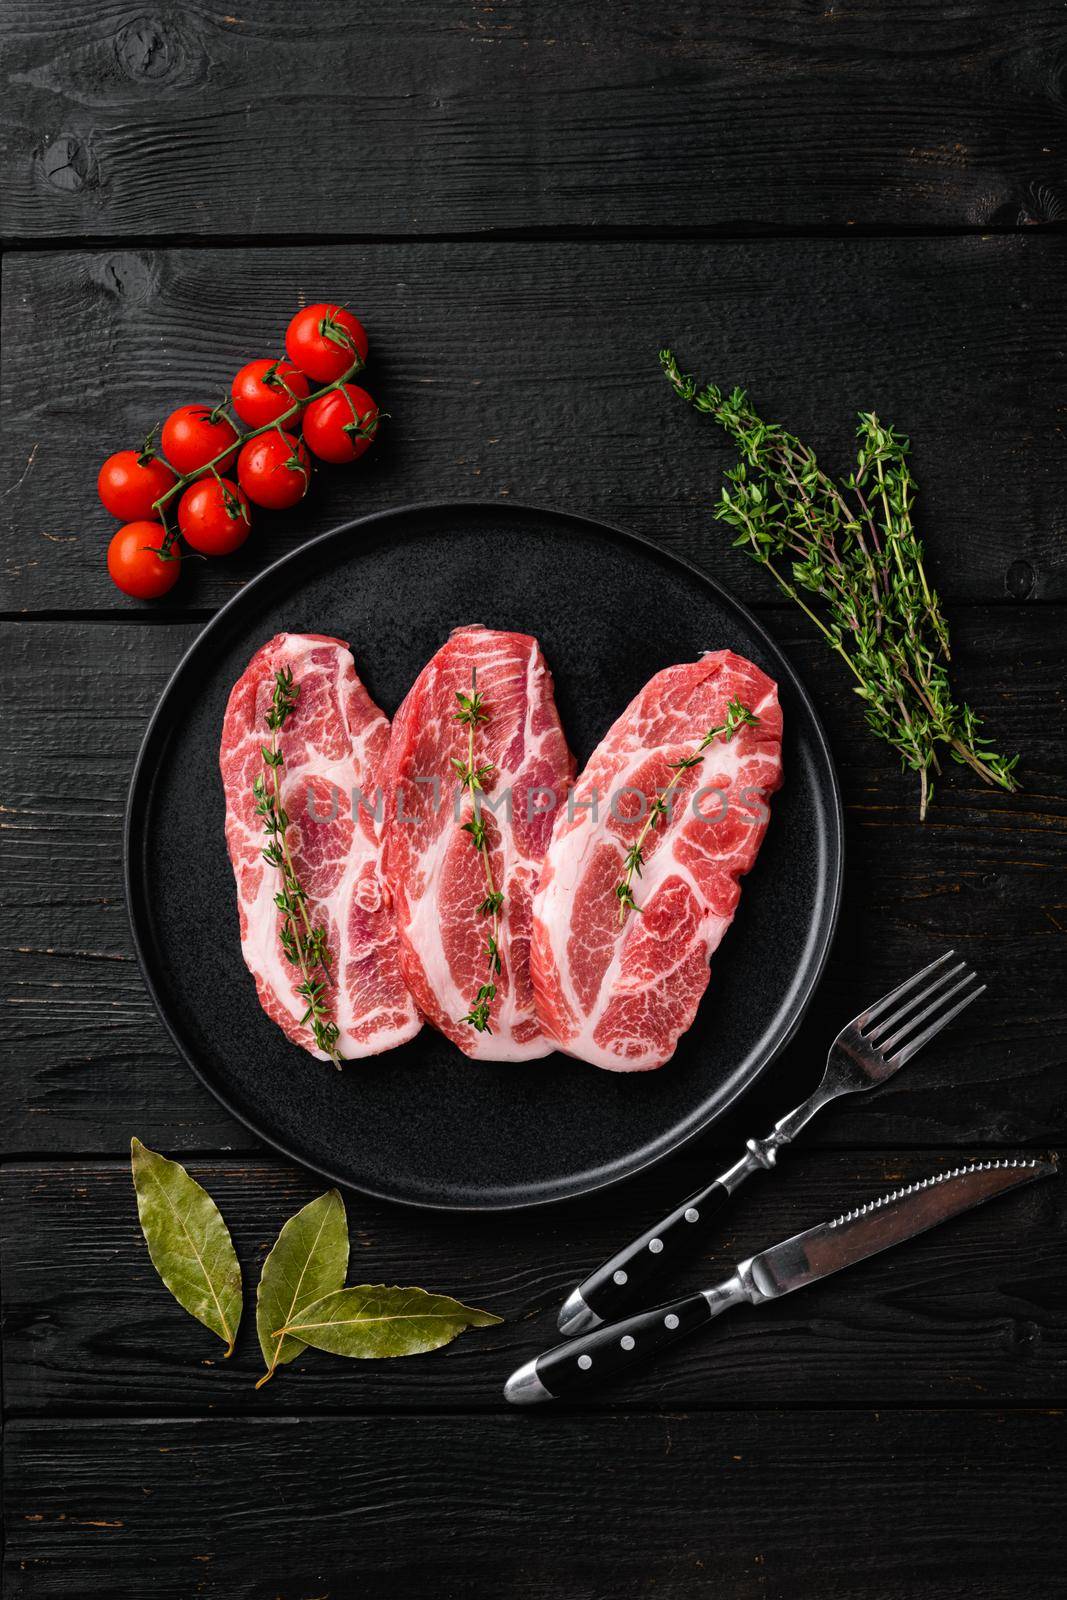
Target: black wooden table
(843,206)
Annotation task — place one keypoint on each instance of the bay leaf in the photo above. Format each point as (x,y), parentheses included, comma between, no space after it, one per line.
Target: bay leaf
(309,1259)
(188,1242)
(371,1321)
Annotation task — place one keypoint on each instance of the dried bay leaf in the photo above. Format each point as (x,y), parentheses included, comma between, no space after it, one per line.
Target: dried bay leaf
(371,1321)
(309,1259)
(188,1242)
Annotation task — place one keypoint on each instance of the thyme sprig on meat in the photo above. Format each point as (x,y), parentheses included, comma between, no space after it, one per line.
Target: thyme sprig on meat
(852,544)
(737,716)
(474,775)
(304,944)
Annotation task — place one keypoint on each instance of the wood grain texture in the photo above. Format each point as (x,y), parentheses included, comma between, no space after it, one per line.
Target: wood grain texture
(817,1505)
(973,1314)
(529,371)
(184,170)
(89,1062)
(475,117)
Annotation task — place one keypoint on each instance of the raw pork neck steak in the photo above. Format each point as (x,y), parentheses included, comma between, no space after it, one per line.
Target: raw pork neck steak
(334,743)
(434,868)
(621,995)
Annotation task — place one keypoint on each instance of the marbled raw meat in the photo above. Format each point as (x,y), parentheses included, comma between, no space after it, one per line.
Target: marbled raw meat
(334,743)
(433,869)
(620,996)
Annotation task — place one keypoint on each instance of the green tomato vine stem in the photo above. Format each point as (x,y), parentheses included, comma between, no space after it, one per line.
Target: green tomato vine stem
(300,404)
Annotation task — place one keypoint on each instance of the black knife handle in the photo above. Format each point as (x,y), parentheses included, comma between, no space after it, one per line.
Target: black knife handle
(620,1282)
(570,1370)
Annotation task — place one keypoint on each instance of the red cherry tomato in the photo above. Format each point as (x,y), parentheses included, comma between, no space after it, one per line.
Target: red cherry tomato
(274,470)
(338,430)
(135,565)
(131,481)
(323,341)
(213,516)
(194,435)
(265,389)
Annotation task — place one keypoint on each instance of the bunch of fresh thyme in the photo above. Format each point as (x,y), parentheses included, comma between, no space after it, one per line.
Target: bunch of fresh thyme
(304,945)
(473,776)
(737,716)
(852,545)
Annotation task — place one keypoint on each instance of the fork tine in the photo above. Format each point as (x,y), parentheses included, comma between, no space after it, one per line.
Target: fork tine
(935,1028)
(898,1016)
(936,1004)
(887,1000)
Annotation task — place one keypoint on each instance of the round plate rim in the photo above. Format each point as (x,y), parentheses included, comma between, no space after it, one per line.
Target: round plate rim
(215,623)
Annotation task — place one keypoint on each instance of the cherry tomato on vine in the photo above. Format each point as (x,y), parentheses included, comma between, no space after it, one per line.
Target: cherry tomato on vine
(194,435)
(134,562)
(340,426)
(323,341)
(213,516)
(265,389)
(131,481)
(274,470)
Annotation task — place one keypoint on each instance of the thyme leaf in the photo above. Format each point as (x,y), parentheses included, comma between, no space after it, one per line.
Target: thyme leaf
(303,943)
(737,716)
(474,776)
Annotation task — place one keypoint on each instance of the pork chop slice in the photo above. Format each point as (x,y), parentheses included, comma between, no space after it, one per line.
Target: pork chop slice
(433,867)
(333,744)
(620,993)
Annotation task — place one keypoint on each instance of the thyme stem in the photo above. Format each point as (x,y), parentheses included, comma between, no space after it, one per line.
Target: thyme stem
(737,716)
(473,776)
(304,944)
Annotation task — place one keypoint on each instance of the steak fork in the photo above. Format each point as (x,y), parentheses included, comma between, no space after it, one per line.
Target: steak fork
(867,1051)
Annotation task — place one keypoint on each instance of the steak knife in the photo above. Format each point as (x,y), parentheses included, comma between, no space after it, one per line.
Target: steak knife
(568,1371)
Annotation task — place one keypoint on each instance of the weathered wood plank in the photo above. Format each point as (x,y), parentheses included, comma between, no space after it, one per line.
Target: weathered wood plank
(813,1506)
(74,1002)
(431,118)
(971,1314)
(529,371)
(90,1062)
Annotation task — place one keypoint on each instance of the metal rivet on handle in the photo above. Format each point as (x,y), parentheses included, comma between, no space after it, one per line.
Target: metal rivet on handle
(627,1341)
(585,1362)
(670,1320)
(655,1245)
(692,1214)
(618,1277)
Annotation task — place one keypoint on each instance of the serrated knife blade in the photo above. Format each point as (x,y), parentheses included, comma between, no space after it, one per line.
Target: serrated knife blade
(879,1224)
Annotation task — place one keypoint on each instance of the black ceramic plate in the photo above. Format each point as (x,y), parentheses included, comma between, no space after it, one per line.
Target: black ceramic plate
(423,1124)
